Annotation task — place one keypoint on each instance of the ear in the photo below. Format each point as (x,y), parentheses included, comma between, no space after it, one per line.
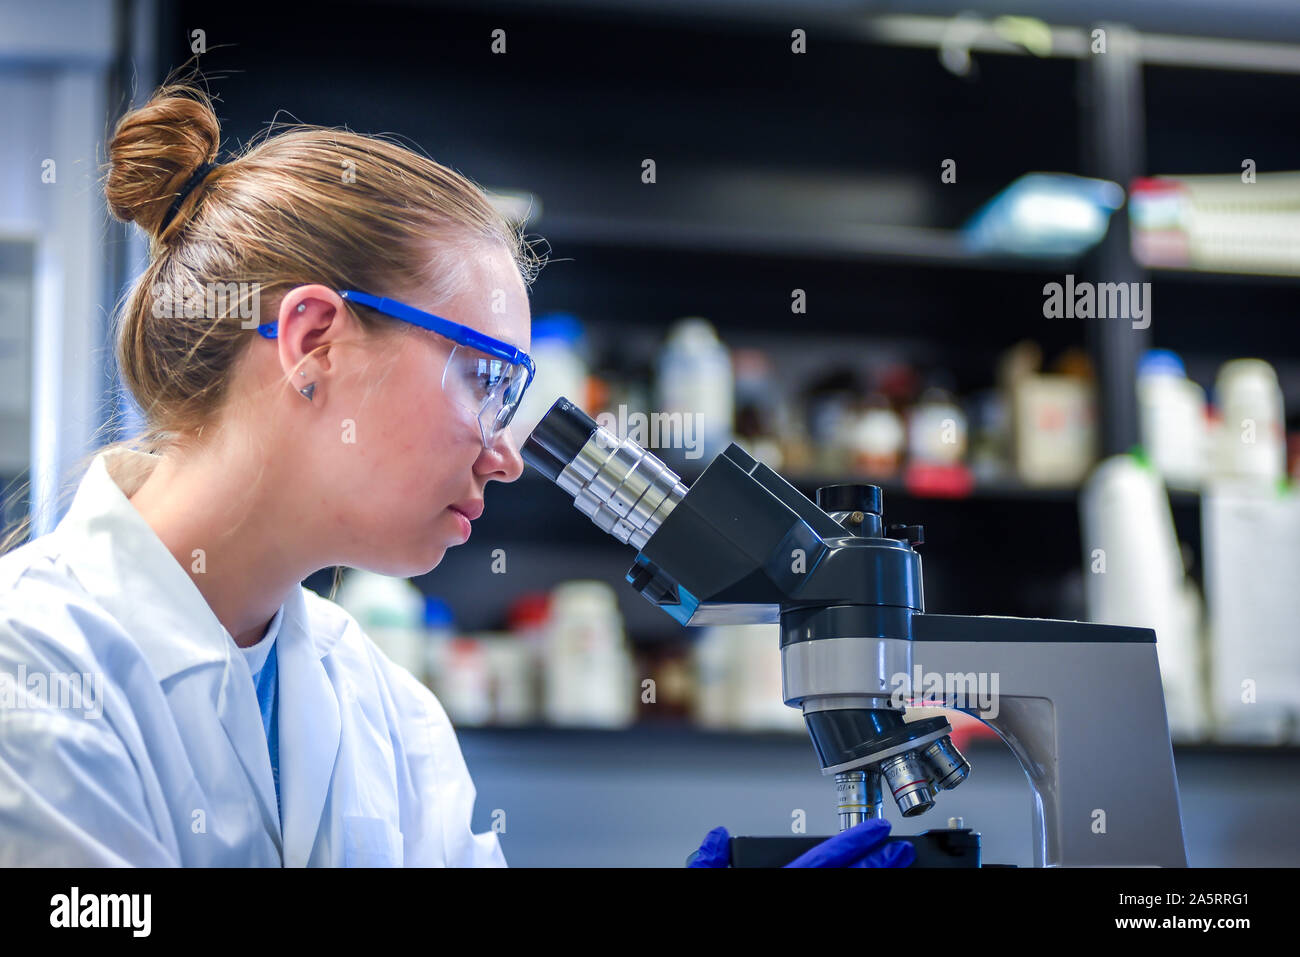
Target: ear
(312,317)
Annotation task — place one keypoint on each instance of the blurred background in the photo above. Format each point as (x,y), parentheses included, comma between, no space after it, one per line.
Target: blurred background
(1032,268)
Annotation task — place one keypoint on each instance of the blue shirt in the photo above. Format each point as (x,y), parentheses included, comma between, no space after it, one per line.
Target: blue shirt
(263,662)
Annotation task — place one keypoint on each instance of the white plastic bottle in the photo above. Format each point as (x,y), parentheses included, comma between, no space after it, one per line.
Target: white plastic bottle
(509,659)
(936,430)
(1251,435)
(715,682)
(1171,410)
(1252,565)
(1133,575)
(391,612)
(695,379)
(760,696)
(587,668)
(466,686)
(876,439)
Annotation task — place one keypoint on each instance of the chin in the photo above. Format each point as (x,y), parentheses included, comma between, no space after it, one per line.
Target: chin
(419,560)
(431,565)
(429,560)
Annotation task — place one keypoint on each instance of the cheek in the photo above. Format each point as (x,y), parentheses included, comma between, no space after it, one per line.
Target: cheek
(434,445)
(424,449)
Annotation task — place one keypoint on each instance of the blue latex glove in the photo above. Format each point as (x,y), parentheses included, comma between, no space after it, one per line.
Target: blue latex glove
(851,848)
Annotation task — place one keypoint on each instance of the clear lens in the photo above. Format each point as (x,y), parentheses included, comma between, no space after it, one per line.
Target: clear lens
(486,386)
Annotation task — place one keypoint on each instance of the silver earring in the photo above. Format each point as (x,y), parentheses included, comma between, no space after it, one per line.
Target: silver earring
(302,307)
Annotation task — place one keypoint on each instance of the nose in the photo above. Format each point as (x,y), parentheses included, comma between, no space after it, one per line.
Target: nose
(501,462)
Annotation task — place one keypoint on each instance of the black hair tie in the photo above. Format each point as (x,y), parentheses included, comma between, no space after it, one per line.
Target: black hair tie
(194,180)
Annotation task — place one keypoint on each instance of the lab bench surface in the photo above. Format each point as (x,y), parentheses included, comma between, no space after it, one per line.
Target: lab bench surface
(645,797)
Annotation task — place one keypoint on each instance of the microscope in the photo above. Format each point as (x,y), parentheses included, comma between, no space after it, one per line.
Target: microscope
(1080,705)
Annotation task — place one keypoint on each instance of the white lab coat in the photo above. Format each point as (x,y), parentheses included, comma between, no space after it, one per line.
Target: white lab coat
(175,769)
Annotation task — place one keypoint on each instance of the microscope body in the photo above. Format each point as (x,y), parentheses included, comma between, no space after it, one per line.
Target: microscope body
(1080,705)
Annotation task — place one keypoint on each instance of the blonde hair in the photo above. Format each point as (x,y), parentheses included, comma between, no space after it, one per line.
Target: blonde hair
(304,204)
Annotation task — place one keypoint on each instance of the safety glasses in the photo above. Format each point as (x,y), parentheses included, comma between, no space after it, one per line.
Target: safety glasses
(483,375)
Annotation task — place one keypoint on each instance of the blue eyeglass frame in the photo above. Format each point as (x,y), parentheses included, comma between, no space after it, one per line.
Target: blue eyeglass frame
(454,331)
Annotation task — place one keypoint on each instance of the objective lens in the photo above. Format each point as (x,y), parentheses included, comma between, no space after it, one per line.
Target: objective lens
(858,797)
(908,783)
(947,765)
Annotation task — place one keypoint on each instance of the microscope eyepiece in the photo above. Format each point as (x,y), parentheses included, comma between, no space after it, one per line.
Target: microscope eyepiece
(620,486)
(542,459)
(558,437)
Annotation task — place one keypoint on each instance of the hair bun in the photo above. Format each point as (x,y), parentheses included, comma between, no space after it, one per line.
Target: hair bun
(155,150)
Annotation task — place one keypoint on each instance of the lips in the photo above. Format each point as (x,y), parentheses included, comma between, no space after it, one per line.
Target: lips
(470,508)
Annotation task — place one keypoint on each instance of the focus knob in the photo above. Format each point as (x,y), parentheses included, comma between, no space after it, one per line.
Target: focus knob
(912,534)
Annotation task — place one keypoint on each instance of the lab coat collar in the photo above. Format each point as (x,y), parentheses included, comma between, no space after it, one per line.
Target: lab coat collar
(119,558)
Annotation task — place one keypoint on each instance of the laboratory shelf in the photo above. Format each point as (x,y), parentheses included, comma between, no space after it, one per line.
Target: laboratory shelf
(988,489)
(1257,278)
(667,732)
(823,240)
(540,491)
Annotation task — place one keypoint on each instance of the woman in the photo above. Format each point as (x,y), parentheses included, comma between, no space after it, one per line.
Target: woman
(327,344)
